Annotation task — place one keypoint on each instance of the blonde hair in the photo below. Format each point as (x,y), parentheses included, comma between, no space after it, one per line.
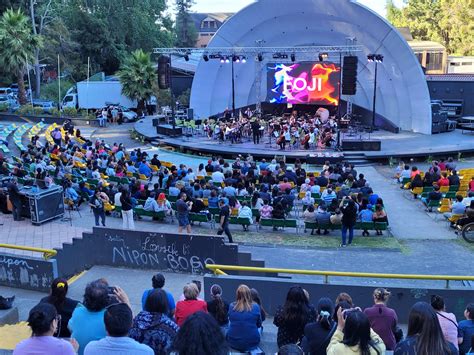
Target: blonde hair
(381,294)
(244,299)
(190,291)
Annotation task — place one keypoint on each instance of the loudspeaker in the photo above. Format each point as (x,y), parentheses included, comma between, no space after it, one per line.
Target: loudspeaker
(350,144)
(190,114)
(349,75)
(164,72)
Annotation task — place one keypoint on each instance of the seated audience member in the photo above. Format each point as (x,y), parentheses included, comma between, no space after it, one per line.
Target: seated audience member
(405,174)
(379,216)
(416,182)
(443,181)
(152,326)
(158,282)
(323,217)
(466,330)
(245,212)
(200,334)
(151,204)
(244,322)
(266,210)
(318,334)
(43,321)
(354,336)
(434,195)
(454,178)
(218,307)
(307,200)
(383,320)
(457,207)
(366,216)
(471,184)
(336,218)
(328,195)
(278,211)
(64,305)
(414,171)
(461,222)
(447,321)
(118,319)
(467,200)
(292,317)
(190,304)
(424,334)
(290,349)
(309,215)
(87,320)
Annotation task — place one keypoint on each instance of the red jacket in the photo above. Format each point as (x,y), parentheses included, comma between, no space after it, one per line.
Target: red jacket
(187,307)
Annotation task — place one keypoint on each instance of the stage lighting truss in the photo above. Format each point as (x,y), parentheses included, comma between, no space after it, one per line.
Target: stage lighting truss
(225,54)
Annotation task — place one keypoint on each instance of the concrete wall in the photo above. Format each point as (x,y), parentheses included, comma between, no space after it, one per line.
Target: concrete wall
(273,293)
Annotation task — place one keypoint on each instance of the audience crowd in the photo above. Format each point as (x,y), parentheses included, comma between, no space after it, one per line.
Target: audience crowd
(103,323)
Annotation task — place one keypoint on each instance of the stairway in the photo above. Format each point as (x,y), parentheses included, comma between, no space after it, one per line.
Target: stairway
(357,158)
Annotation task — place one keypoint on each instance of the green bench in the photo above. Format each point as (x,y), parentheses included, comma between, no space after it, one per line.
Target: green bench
(369,226)
(198,217)
(244,222)
(155,215)
(277,223)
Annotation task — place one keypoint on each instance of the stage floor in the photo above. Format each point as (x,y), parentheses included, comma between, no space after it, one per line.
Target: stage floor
(404,144)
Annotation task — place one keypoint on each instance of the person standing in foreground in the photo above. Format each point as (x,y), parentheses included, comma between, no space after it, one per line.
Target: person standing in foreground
(224,213)
(15,198)
(182,213)
(97,204)
(127,210)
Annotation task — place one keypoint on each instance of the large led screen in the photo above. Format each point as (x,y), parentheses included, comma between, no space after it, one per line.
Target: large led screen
(303,83)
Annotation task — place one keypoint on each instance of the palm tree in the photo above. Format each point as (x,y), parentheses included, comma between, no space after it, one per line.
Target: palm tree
(17,43)
(138,78)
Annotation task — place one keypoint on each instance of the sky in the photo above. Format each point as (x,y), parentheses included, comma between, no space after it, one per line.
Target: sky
(236,5)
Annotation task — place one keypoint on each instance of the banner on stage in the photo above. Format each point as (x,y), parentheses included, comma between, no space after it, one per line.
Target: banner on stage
(303,83)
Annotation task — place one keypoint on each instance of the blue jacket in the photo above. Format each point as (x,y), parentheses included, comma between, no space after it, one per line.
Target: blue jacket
(243,334)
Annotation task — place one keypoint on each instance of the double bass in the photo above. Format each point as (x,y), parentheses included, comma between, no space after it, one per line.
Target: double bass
(281,139)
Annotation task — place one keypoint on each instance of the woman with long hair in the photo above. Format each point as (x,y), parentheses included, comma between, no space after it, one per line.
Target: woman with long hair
(245,320)
(152,326)
(354,336)
(424,336)
(43,321)
(293,317)
(257,300)
(383,320)
(64,305)
(447,321)
(318,334)
(218,308)
(200,334)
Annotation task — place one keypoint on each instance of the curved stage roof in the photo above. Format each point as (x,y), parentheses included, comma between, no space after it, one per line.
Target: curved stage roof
(402,93)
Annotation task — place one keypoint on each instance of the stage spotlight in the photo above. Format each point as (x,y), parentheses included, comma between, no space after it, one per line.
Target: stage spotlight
(293,57)
(260,57)
(379,58)
(186,57)
(235,58)
(227,60)
(243,60)
(222,60)
(371,58)
(323,57)
(205,57)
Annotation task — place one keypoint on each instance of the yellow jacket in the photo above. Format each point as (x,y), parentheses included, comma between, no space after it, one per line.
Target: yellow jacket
(336,347)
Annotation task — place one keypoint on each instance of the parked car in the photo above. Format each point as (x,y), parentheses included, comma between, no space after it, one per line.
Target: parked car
(47,106)
(128,115)
(14,88)
(6,91)
(10,101)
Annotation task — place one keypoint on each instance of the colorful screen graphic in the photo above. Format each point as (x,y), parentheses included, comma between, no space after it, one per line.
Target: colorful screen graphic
(303,83)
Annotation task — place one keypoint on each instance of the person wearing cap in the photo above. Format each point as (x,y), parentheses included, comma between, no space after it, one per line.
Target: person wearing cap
(164,204)
(158,282)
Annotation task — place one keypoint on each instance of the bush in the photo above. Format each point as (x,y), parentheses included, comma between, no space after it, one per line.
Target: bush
(70,112)
(27,109)
(55,112)
(4,107)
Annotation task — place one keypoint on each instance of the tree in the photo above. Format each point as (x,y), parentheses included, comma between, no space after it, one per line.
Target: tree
(186,34)
(138,77)
(450,22)
(17,43)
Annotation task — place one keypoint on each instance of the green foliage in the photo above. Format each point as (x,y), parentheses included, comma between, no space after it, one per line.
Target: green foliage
(49,91)
(70,112)
(17,43)
(55,112)
(30,110)
(138,77)
(4,107)
(184,98)
(186,34)
(163,97)
(450,22)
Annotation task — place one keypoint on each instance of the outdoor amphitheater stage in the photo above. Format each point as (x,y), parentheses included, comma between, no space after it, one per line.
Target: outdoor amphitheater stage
(401,145)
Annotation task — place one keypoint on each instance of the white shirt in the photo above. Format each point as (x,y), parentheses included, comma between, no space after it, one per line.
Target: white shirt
(217,176)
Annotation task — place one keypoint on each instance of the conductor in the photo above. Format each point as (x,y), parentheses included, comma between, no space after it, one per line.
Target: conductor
(255,130)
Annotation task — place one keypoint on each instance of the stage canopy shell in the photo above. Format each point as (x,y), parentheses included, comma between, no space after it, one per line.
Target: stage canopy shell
(402,92)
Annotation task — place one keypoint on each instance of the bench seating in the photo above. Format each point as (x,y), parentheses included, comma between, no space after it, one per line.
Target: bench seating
(380,226)
(283,223)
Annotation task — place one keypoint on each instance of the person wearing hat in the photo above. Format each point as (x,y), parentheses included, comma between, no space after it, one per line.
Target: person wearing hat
(164,204)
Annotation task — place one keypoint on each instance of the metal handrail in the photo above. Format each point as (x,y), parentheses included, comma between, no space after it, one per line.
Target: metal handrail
(47,253)
(218,270)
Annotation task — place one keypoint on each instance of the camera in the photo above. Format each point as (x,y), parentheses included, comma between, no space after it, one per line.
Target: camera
(111,290)
(347,312)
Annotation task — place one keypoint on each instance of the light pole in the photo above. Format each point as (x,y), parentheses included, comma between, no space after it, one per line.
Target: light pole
(374,58)
(233,88)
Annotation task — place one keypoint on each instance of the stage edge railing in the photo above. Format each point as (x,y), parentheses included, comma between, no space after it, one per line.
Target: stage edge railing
(219,270)
(47,253)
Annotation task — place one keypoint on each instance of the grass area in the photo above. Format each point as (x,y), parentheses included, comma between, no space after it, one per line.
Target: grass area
(305,240)
(465,244)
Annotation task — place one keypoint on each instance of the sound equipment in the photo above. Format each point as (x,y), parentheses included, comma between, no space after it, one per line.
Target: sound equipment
(164,72)
(190,114)
(349,75)
(45,204)
(168,130)
(361,145)
(156,122)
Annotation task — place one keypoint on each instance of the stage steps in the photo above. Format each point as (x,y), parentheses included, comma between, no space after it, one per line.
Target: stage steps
(357,158)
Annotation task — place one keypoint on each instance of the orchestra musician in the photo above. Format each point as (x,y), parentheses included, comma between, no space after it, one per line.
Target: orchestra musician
(255,130)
